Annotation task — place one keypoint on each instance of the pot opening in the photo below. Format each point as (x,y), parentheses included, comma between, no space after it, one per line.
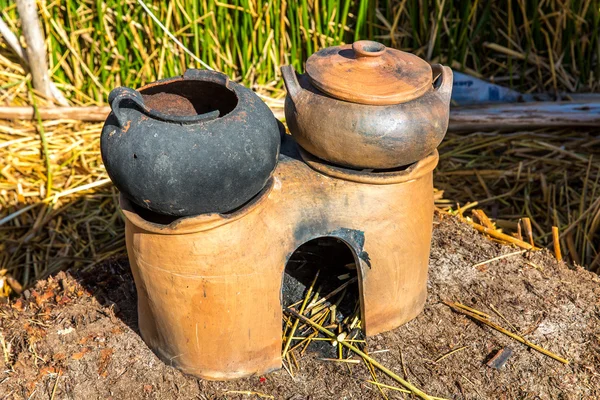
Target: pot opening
(372,47)
(189,98)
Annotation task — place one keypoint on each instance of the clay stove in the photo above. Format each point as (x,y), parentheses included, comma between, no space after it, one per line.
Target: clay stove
(209,285)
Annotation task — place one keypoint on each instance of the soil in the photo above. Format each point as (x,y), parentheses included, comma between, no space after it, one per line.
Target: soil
(74,336)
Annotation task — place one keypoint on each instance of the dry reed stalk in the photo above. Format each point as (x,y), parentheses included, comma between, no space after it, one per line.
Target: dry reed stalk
(472,310)
(417,392)
(528,230)
(342,360)
(518,338)
(501,236)
(302,309)
(514,253)
(440,358)
(556,242)
(504,319)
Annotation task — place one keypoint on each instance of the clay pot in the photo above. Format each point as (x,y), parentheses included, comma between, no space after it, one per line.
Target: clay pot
(189,145)
(368,106)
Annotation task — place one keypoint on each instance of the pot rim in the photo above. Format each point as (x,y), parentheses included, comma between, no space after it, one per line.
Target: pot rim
(194,223)
(193,75)
(412,172)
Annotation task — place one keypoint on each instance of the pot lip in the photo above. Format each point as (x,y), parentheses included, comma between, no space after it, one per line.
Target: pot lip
(217,78)
(194,223)
(412,172)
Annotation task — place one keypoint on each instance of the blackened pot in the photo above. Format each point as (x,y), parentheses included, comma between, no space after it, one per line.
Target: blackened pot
(189,145)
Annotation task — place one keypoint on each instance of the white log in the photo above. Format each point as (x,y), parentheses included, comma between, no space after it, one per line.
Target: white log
(36,50)
(532,115)
(13,42)
(514,116)
(91,114)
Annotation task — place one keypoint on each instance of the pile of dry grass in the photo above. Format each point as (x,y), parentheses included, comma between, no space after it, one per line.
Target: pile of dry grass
(549,176)
(58,208)
(552,177)
(75,222)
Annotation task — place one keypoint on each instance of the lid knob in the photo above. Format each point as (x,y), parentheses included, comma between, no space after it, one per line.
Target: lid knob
(368,48)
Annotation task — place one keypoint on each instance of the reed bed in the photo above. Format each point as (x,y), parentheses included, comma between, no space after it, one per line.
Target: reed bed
(531,45)
(94,46)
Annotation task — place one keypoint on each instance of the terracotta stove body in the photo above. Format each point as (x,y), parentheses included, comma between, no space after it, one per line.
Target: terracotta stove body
(209,286)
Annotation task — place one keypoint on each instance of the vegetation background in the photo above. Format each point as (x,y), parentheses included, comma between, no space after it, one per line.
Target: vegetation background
(532,45)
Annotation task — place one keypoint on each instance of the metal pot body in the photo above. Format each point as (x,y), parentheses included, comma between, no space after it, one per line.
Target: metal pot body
(190,145)
(367,136)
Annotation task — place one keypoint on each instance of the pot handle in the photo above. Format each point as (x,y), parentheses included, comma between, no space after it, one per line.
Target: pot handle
(118,96)
(291,81)
(442,86)
(124,94)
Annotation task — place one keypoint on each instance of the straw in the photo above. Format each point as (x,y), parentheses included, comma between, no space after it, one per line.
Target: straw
(507,333)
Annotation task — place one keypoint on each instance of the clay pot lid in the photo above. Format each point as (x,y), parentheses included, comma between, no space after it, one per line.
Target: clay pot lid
(367,72)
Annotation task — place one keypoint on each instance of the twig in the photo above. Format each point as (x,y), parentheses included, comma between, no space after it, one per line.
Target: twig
(403,365)
(508,333)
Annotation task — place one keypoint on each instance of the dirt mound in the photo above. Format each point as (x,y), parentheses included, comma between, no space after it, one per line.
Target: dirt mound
(74,336)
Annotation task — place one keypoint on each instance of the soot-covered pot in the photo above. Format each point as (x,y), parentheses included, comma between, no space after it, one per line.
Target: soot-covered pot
(368,106)
(189,145)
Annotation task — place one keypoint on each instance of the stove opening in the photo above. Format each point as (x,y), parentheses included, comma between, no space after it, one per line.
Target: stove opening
(329,266)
